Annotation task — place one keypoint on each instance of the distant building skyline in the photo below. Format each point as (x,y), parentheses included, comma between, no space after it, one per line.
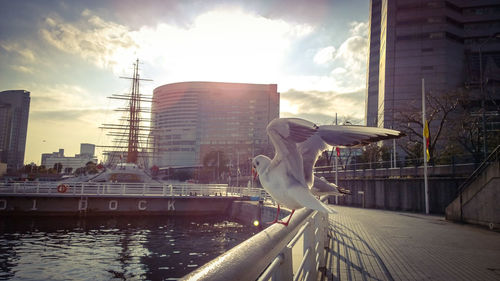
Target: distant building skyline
(70,164)
(14,114)
(191,119)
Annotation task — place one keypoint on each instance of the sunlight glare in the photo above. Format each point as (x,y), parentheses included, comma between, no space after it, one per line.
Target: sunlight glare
(221,45)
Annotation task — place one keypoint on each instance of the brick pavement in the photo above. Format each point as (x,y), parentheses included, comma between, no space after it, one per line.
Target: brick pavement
(369,244)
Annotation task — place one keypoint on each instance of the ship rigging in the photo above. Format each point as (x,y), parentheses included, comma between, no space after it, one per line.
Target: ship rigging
(131,136)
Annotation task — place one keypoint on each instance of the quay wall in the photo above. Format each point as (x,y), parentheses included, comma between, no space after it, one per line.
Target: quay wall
(109,205)
(399,194)
(244,211)
(247,212)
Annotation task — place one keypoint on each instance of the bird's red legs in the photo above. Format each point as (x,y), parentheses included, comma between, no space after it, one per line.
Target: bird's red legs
(286,223)
(280,222)
(277,216)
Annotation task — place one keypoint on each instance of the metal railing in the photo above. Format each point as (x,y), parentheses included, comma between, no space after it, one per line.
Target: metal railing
(126,189)
(293,252)
(398,172)
(493,157)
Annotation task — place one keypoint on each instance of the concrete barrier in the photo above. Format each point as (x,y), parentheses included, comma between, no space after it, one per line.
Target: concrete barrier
(247,212)
(99,205)
(478,202)
(399,194)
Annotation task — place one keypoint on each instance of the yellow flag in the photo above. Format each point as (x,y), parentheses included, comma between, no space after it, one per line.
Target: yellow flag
(427,140)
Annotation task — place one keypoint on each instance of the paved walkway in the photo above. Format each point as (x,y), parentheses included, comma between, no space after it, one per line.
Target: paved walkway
(372,244)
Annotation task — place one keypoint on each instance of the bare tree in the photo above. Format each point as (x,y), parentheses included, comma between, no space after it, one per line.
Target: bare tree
(439,107)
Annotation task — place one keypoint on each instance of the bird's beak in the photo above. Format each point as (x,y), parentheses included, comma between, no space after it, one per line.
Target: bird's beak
(254,173)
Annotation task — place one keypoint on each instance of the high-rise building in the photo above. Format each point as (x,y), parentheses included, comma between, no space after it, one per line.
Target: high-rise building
(14,112)
(87,149)
(191,119)
(443,41)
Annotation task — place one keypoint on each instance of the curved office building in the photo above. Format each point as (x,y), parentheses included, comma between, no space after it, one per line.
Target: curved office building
(190,119)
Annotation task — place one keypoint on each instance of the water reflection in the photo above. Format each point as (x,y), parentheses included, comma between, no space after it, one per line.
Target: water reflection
(122,248)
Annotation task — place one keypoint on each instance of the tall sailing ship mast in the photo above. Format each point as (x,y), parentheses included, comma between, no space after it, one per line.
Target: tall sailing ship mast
(132,135)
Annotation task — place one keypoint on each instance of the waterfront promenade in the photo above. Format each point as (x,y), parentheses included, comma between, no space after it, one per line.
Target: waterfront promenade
(368,244)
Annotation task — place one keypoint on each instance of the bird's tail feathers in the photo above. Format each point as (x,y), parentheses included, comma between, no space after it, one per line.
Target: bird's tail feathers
(308,200)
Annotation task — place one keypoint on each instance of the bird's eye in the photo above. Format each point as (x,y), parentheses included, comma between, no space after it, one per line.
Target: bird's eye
(257,163)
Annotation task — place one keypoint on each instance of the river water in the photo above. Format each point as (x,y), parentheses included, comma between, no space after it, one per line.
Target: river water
(121,248)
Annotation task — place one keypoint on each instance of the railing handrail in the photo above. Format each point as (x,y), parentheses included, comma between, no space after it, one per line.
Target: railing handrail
(249,259)
(494,156)
(127,189)
(331,168)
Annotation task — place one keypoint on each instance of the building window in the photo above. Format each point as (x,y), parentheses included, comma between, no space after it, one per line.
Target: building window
(436,35)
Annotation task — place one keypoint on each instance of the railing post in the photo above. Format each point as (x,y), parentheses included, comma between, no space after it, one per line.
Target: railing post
(171,190)
(321,238)
(308,240)
(285,269)
(143,189)
(123,189)
(164,189)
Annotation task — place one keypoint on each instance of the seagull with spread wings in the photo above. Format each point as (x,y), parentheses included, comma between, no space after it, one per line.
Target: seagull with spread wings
(298,143)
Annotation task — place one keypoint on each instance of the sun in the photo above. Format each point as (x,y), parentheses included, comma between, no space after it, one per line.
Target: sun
(226,45)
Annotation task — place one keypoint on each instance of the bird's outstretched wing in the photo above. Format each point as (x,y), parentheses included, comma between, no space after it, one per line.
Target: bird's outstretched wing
(310,150)
(285,133)
(298,143)
(334,135)
(352,136)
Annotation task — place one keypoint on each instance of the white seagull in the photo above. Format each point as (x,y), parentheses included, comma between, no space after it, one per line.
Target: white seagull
(298,143)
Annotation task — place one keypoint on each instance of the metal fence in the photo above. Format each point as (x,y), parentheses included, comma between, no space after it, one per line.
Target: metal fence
(459,170)
(126,189)
(293,252)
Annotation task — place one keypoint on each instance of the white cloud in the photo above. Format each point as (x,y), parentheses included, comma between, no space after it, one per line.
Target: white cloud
(92,38)
(352,53)
(22,68)
(324,55)
(62,98)
(339,71)
(321,106)
(223,45)
(26,54)
(359,28)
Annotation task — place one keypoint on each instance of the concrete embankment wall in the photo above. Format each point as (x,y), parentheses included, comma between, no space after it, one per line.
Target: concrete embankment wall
(479,201)
(399,194)
(247,212)
(108,205)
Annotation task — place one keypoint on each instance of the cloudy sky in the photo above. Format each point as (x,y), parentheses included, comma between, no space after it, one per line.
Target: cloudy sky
(70,55)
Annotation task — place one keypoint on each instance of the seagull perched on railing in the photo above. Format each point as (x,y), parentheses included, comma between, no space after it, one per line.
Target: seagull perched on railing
(298,143)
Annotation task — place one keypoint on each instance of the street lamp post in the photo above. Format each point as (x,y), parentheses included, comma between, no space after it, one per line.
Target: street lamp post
(483,95)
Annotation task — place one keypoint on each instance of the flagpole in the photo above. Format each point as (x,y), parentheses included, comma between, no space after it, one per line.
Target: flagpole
(336,166)
(424,148)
